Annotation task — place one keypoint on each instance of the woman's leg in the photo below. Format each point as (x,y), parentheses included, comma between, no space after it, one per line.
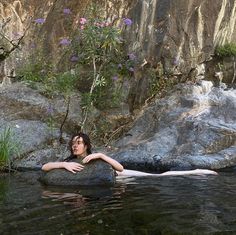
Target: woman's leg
(133,173)
(190,172)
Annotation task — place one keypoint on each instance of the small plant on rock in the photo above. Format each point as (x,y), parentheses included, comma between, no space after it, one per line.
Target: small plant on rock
(8,147)
(226,50)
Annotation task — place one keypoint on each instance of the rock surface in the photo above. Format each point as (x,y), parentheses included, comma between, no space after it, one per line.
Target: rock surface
(19,101)
(194,127)
(179,35)
(96,172)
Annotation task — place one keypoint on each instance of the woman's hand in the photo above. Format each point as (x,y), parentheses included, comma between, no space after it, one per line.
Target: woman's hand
(92,156)
(73,166)
(115,165)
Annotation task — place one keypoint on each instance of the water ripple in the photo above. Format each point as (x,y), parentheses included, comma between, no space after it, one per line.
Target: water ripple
(166,205)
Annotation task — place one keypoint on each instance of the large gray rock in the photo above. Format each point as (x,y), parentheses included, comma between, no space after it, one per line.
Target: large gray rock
(35,159)
(193,127)
(19,101)
(28,135)
(96,172)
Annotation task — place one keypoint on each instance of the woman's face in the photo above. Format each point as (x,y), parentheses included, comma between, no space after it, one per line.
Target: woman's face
(78,147)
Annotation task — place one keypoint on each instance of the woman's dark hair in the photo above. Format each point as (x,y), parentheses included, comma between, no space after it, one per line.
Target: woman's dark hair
(86,140)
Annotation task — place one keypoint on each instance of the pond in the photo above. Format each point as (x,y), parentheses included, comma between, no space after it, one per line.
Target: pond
(147,205)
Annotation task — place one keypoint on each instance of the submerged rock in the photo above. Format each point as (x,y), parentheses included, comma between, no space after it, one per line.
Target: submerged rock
(96,172)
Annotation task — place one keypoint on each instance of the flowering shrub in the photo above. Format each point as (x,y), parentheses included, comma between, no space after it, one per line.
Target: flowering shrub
(96,44)
(99,44)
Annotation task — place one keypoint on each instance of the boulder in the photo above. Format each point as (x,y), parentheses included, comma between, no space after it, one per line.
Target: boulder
(96,172)
(193,127)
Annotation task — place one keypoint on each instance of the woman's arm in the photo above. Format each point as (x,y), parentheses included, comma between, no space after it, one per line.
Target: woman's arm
(70,166)
(116,165)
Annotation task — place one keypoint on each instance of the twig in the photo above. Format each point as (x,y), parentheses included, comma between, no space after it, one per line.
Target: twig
(64,120)
(95,79)
(14,45)
(234,73)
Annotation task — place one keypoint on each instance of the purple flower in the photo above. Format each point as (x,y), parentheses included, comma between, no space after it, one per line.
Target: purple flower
(74,58)
(64,42)
(50,110)
(115,78)
(127,21)
(176,60)
(131,69)
(131,56)
(39,21)
(66,11)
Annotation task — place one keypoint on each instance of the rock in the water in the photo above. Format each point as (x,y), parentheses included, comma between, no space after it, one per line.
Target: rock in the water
(96,172)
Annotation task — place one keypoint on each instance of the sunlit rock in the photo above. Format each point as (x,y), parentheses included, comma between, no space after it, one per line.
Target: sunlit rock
(193,127)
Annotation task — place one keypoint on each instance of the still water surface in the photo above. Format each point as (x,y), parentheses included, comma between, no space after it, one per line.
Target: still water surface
(148,205)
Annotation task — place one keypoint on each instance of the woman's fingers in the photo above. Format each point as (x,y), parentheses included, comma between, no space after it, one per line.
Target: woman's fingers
(87,159)
(90,157)
(78,167)
(74,167)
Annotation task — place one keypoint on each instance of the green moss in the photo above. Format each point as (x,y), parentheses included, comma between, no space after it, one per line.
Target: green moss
(226,50)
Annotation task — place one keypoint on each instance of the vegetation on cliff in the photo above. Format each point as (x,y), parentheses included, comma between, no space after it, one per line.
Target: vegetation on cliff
(226,50)
(97,58)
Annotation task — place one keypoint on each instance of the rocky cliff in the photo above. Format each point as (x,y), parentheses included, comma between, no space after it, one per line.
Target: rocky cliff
(178,37)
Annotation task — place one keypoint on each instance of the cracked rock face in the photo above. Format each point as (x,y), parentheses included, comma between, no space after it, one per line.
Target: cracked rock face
(181,35)
(194,127)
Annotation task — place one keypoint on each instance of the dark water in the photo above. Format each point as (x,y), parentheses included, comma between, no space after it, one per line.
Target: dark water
(167,205)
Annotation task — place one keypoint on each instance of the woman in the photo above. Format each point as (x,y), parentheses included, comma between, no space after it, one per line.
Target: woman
(80,147)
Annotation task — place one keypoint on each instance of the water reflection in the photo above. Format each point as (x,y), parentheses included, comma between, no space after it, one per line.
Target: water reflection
(75,199)
(171,205)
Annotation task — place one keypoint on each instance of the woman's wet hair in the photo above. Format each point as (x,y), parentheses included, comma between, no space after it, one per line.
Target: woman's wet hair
(86,141)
